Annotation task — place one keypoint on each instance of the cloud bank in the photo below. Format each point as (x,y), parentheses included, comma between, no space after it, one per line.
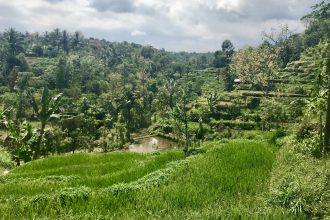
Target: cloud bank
(176,25)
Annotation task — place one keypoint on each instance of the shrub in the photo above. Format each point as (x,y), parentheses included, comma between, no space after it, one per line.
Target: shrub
(253,102)
(277,135)
(229,111)
(160,128)
(301,183)
(310,146)
(4,89)
(221,124)
(306,130)
(297,90)
(5,159)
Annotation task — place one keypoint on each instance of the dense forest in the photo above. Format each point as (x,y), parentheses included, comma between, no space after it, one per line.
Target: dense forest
(251,127)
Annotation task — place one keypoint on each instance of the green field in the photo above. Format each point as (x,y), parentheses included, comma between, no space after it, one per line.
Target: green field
(229,181)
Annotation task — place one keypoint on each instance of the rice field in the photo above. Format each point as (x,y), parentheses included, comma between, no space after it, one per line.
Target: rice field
(229,181)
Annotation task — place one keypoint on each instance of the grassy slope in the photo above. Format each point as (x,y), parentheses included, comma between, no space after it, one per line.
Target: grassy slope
(228,181)
(91,170)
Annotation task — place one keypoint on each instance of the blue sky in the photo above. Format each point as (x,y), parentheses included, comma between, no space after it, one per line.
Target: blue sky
(175,25)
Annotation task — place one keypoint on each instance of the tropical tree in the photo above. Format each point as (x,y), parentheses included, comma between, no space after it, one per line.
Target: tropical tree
(65,41)
(62,73)
(316,62)
(181,116)
(24,137)
(256,65)
(289,45)
(326,71)
(13,46)
(316,106)
(212,101)
(222,58)
(45,111)
(318,24)
(15,42)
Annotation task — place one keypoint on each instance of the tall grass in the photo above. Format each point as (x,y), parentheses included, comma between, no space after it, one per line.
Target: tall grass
(227,182)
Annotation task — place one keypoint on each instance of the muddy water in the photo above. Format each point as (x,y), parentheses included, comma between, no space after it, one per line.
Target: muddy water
(150,144)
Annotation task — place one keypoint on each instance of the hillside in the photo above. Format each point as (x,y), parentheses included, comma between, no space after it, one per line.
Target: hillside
(229,180)
(93,129)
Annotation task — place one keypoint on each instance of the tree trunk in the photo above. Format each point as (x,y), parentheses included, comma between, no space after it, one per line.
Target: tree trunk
(186,132)
(327,122)
(321,133)
(38,145)
(327,127)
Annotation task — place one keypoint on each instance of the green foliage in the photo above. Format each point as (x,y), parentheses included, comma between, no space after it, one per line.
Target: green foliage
(317,24)
(222,58)
(256,65)
(272,111)
(5,159)
(24,138)
(232,176)
(48,105)
(309,141)
(47,110)
(65,197)
(23,65)
(241,125)
(278,136)
(151,180)
(253,102)
(212,101)
(300,183)
(108,91)
(95,171)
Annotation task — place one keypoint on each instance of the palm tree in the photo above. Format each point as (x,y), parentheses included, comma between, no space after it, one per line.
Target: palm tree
(15,42)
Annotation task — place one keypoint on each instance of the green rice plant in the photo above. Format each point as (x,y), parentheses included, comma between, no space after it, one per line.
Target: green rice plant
(229,181)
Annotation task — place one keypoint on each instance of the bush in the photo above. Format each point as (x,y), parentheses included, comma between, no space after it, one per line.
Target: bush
(278,135)
(5,159)
(4,89)
(297,90)
(221,124)
(306,130)
(251,117)
(308,140)
(310,146)
(301,183)
(228,111)
(160,128)
(253,102)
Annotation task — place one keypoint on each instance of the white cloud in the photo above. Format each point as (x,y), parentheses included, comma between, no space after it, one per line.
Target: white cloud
(229,5)
(137,33)
(191,25)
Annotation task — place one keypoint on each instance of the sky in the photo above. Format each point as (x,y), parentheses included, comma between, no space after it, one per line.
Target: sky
(175,25)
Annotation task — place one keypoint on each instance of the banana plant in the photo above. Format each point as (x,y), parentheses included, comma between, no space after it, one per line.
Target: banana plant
(24,137)
(212,101)
(2,112)
(46,111)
